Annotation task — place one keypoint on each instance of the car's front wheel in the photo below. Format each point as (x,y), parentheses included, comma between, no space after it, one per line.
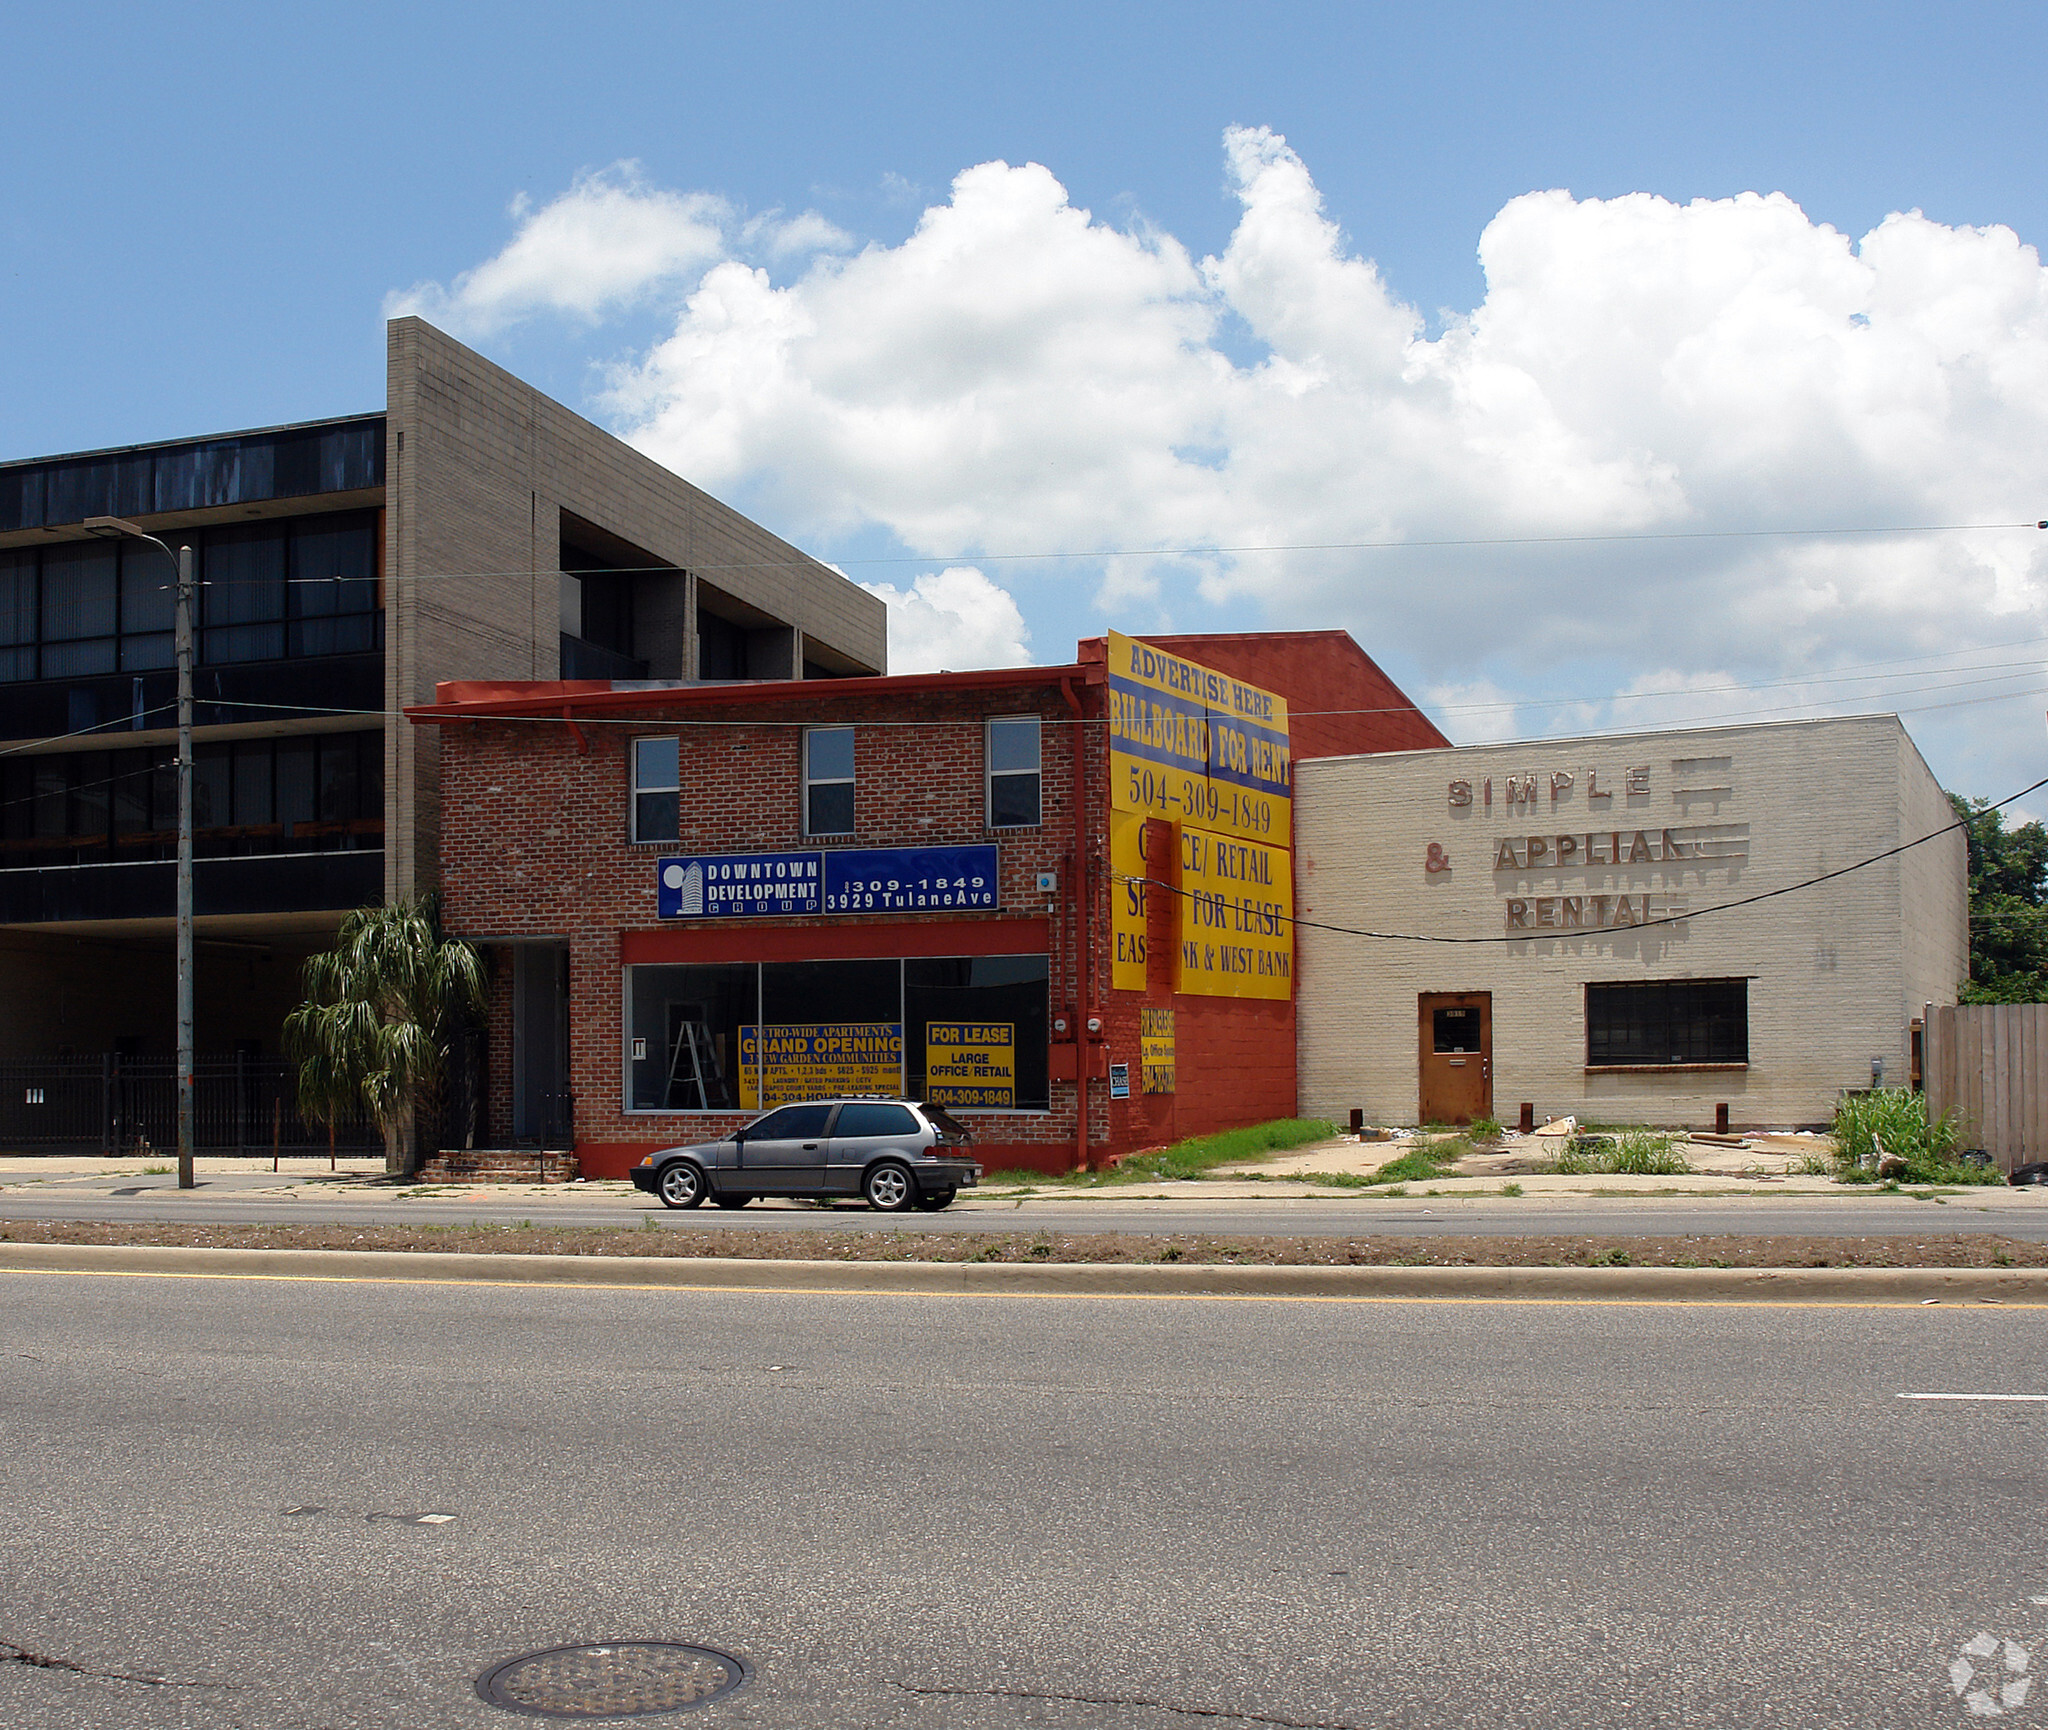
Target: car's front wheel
(681,1185)
(932,1201)
(888,1188)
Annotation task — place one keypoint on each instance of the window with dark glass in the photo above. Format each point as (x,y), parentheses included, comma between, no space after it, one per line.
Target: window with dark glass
(249,797)
(828,781)
(875,1118)
(79,613)
(333,600)
(293,587)
(149,608)
(1454,1029)
(243,590)
(1009,990)
(1012,753)
(1664,1022)
(791,1123)
(683,1035)
(657,792)
(18,615)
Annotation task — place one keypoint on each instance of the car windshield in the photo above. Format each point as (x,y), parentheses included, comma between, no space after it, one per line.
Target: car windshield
(950,1128)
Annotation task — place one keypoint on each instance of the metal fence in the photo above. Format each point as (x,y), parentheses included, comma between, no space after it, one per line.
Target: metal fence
(114,1105)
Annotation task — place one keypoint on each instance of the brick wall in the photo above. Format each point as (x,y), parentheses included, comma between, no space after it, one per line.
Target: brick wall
(537,844)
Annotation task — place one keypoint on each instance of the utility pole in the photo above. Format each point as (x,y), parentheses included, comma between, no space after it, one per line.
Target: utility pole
(186,1060)
(116,528)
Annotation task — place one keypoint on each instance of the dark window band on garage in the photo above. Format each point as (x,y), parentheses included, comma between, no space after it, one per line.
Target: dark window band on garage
(1668,1024)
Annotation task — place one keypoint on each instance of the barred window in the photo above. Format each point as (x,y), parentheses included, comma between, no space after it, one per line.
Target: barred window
(1675,1021)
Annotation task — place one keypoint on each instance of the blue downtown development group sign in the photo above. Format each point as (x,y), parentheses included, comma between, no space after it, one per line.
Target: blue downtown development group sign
(844,880)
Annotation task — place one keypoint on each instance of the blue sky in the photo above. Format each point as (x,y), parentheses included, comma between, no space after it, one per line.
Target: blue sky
(207,212)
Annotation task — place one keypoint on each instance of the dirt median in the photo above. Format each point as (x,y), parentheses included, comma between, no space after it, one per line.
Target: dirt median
(1928,1250)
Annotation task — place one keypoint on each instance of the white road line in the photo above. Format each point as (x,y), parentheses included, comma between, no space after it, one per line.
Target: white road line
(2032,1397)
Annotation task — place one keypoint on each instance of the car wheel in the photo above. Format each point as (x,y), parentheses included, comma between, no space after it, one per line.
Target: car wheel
(681,1185)
(935,1199)
(888,1188)
(732,1200)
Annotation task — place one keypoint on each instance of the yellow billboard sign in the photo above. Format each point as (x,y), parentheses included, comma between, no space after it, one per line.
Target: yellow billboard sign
(1155,1050)
(779,1064)
(970,1063)
(1127,899)
(1196,746)
(1236,918)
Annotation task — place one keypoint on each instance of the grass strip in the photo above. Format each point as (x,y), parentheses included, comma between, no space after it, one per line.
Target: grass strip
(1972,1250)
(1195,1157)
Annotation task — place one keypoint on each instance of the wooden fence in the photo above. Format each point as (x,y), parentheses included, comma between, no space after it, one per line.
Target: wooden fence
(1988,1063)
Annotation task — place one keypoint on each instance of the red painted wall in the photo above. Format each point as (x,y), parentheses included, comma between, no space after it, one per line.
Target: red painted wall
(1339,702)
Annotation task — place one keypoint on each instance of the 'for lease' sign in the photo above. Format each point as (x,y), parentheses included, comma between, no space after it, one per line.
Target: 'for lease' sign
(971,1063)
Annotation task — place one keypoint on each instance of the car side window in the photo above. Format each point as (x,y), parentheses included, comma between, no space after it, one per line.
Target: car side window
(791,1123)
(877,1119)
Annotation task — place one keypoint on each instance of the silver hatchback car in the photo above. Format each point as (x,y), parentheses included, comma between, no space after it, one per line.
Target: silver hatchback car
(892,1153)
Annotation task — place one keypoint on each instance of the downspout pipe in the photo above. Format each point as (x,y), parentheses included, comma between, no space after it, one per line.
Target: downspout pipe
(1079,889)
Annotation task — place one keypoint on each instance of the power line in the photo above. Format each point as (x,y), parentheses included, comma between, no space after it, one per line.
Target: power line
(804,561)
(1640,925)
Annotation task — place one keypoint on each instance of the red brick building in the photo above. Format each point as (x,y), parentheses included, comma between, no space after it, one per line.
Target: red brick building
(704,898)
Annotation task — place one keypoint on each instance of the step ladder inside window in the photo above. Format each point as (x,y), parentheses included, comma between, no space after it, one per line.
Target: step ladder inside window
(693,1069)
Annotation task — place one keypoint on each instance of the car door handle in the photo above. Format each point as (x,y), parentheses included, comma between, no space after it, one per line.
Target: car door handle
(810,1147)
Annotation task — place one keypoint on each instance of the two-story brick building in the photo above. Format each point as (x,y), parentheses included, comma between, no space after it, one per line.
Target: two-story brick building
(1058,899)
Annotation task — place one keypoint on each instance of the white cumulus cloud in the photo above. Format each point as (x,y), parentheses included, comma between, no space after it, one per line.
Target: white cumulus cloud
(952,620)
(1017,375)
(606,243)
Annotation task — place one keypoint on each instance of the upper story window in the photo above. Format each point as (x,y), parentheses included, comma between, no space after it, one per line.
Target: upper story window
(268,591)
(828,781)
(302,793)
(657,789)
(1012,754)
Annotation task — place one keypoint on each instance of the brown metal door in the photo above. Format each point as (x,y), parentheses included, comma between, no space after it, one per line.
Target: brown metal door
(1457,1055)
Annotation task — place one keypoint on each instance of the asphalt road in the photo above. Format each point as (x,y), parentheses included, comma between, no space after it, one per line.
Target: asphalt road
(2018,1214)
(989,1513)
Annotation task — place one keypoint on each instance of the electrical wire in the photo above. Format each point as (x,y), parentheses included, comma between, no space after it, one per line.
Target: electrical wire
(804,561)
(1685,918)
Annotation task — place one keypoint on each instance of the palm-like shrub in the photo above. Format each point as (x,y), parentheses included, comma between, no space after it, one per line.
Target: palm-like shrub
(381,1010)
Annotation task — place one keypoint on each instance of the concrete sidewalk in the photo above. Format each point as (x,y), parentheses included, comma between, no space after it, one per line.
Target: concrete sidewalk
(1285,1178)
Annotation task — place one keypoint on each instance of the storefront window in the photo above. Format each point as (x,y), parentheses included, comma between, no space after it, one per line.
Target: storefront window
(985,1018)
(1675,1021)
(683,1035)
(982,997)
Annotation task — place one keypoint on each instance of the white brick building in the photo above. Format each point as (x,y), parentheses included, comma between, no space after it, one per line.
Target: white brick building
(1574,958)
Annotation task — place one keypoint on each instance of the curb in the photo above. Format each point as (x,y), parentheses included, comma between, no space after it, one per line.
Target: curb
(2013,1287)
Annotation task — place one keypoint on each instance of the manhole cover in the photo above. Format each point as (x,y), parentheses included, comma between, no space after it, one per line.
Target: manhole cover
(627,1679)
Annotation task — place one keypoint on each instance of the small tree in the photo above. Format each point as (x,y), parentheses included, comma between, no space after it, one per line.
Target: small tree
(381,1010)
(2008,907)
